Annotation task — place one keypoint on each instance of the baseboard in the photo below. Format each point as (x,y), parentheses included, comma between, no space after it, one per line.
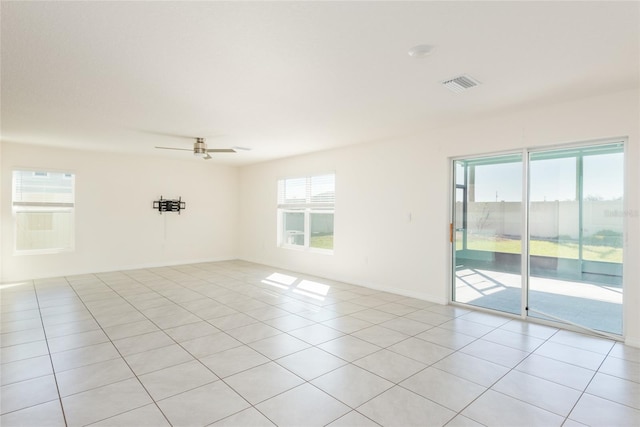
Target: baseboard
(168,264)
(126,267)
(399,291)
(632,342)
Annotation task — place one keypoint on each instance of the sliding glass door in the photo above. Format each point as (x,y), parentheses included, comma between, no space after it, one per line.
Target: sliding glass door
(559,209)
(575,236)
(488,232)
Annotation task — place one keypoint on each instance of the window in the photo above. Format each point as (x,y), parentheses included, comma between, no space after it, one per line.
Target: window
(306,211)
(43,208)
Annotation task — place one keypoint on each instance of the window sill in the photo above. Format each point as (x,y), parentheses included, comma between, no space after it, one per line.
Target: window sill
(42,252)
(308,250)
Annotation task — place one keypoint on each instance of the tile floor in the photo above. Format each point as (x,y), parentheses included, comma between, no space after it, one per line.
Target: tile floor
(239,344)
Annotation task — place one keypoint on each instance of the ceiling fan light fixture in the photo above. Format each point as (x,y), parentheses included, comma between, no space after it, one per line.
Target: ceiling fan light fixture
(200,148)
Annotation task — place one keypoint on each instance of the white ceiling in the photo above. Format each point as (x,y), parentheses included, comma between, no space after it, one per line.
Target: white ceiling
(286,78)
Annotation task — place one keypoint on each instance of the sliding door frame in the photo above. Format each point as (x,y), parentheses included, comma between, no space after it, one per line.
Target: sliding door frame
(525,262)
(452,232)
(524,240)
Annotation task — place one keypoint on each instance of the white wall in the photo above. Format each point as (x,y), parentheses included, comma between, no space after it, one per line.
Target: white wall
(115,225)
(375,244)
(379,185)
(2,204)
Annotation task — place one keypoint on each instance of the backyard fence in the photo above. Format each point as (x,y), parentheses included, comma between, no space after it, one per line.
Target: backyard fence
(548,220)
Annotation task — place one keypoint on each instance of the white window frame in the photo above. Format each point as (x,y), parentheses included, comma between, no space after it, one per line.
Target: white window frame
(307,208)
(18,207)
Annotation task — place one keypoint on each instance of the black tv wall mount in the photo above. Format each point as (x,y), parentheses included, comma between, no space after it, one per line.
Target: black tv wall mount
(168,205)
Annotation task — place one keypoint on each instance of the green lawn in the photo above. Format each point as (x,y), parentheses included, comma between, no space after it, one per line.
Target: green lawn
(545,248)
(322,242)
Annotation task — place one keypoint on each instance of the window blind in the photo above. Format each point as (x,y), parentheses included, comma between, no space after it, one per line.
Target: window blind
(307,192)
(43,206)
(43,189)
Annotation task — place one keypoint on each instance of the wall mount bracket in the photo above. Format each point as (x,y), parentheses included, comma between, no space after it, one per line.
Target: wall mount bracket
(169,205)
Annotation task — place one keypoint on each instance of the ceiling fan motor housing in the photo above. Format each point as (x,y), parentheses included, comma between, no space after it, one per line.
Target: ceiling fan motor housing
(200,148)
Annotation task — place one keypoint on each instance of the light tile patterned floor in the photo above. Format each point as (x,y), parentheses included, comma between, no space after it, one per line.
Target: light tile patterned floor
(239,344)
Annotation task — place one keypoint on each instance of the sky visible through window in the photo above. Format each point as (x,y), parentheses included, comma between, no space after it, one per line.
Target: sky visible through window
(551,179)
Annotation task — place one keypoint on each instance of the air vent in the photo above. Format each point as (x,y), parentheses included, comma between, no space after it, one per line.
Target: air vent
(460,83)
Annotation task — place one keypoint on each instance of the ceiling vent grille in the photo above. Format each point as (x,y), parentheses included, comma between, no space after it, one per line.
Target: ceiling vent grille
(460,84)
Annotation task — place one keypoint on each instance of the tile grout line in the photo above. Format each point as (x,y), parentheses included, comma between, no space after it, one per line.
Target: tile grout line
(121,356)
(284,367)
(591,380)
(378,324)
(382,348)
(196,358)
(457,413)
(53,371)
(518,399)
(487,388)
(181,280)
(162,329)
(269,361)
(351,362)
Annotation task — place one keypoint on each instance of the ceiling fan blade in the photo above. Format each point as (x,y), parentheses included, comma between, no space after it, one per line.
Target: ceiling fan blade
(171,148)
(221,150)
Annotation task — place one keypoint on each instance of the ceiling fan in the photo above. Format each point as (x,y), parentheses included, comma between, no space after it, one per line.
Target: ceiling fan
(200,149)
